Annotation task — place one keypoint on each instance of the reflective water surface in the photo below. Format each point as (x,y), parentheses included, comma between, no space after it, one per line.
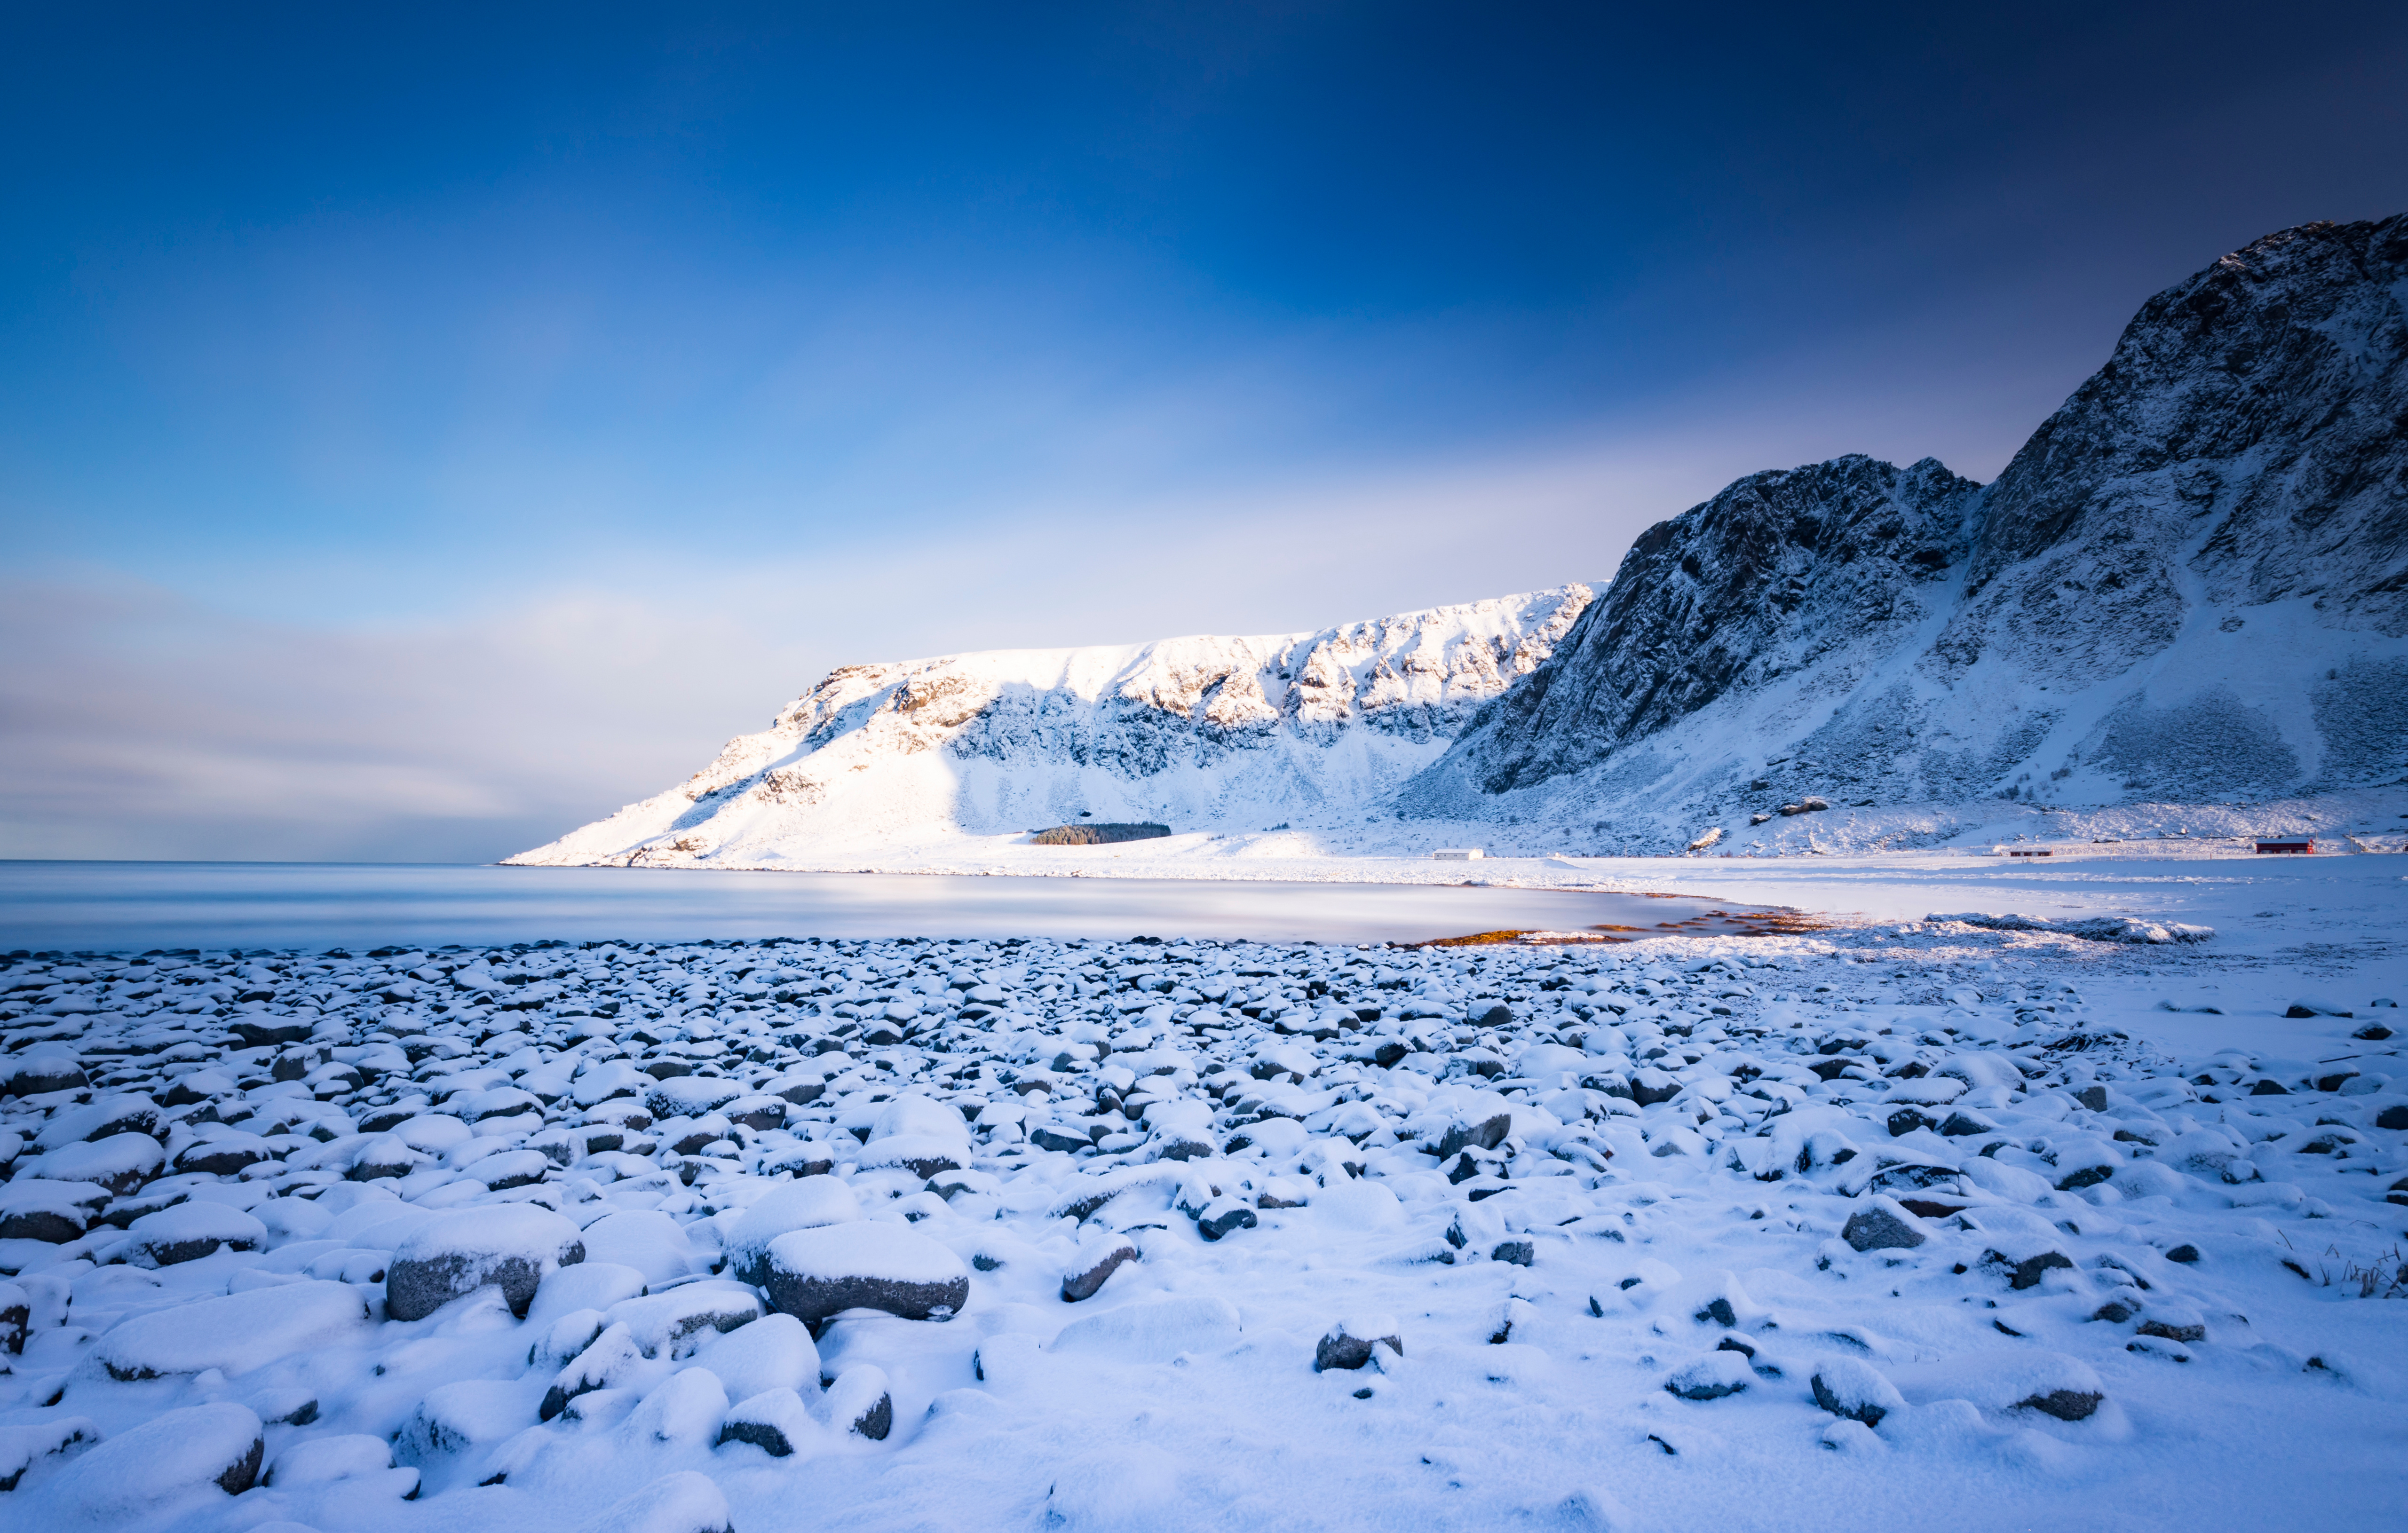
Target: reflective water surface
(128,906)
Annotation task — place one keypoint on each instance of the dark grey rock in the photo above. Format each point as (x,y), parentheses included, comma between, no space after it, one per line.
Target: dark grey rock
(877,1421)
(36,1077)
(261,1035)
(1518,1252)
(766,1436)
(221,1157)
(1096,1267)
(1853,1391)
(2064,1404)
(2088,1175)
(1880,1230)
(606,1360)
(2185,1253)
(508,1246)
(1223,1215)
(243,1472)
(2028,1272)
(1343,1349)
(53,1226)
(1485,1135)
(759,1113)
(1649,1087)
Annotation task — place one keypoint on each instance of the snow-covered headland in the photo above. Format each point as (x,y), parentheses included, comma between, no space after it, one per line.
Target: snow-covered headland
(2182,608)
(1970,1221)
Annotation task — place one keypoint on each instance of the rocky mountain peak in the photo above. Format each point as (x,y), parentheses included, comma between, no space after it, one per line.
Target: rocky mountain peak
(2192,581)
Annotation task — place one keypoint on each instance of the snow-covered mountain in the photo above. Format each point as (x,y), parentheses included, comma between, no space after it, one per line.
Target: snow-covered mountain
(2190,585)
(1202,733)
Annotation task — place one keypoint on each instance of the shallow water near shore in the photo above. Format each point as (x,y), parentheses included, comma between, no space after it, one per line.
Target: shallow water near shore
(132,906)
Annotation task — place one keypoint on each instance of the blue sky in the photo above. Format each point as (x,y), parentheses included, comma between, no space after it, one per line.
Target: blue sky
(423,431)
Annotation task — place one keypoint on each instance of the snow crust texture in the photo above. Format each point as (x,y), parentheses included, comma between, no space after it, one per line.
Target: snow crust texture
(1979,1225)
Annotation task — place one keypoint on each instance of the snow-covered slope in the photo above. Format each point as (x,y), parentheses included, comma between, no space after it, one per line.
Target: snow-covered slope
(2188,589)
(1202,733)
(2190,585)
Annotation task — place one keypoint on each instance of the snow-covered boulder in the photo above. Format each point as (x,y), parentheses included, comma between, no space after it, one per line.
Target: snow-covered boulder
(233,1334)
(814,1273)
(119,1161)
(911,1113)
(860,1402)
(588,1285)
(2049,1383)
(648,1240)
(197,1454)
(1853,1390)
(915,1134)
(456,1417)
(42,1069)
(808,1203)
(691,1096)
(1096,1260)
(774,1420)
(1711,1376)
(674,1324)
(38,1208)
(188,1231)
(24,1445)
(511,1246)
(606,1361)
(682,1411)
(773,1352)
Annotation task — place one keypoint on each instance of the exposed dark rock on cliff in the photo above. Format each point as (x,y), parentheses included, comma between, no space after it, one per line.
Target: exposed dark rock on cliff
(2191,582)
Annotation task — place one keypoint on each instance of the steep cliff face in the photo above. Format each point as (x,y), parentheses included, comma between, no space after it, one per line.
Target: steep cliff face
(1780,575)
(1202,733)
(2192,584)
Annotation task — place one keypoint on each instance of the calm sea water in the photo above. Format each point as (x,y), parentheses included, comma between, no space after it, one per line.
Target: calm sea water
(126,906)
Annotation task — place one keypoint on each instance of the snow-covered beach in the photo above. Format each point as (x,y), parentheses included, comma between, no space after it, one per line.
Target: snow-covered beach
(1120,770)
(1902,1218)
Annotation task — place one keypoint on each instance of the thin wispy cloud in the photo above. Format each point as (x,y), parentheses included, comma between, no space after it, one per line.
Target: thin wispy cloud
(414,458)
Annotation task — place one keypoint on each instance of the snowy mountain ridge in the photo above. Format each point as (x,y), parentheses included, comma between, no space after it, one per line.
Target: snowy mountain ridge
(1206,730)
(2189,588)
(2190,585)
